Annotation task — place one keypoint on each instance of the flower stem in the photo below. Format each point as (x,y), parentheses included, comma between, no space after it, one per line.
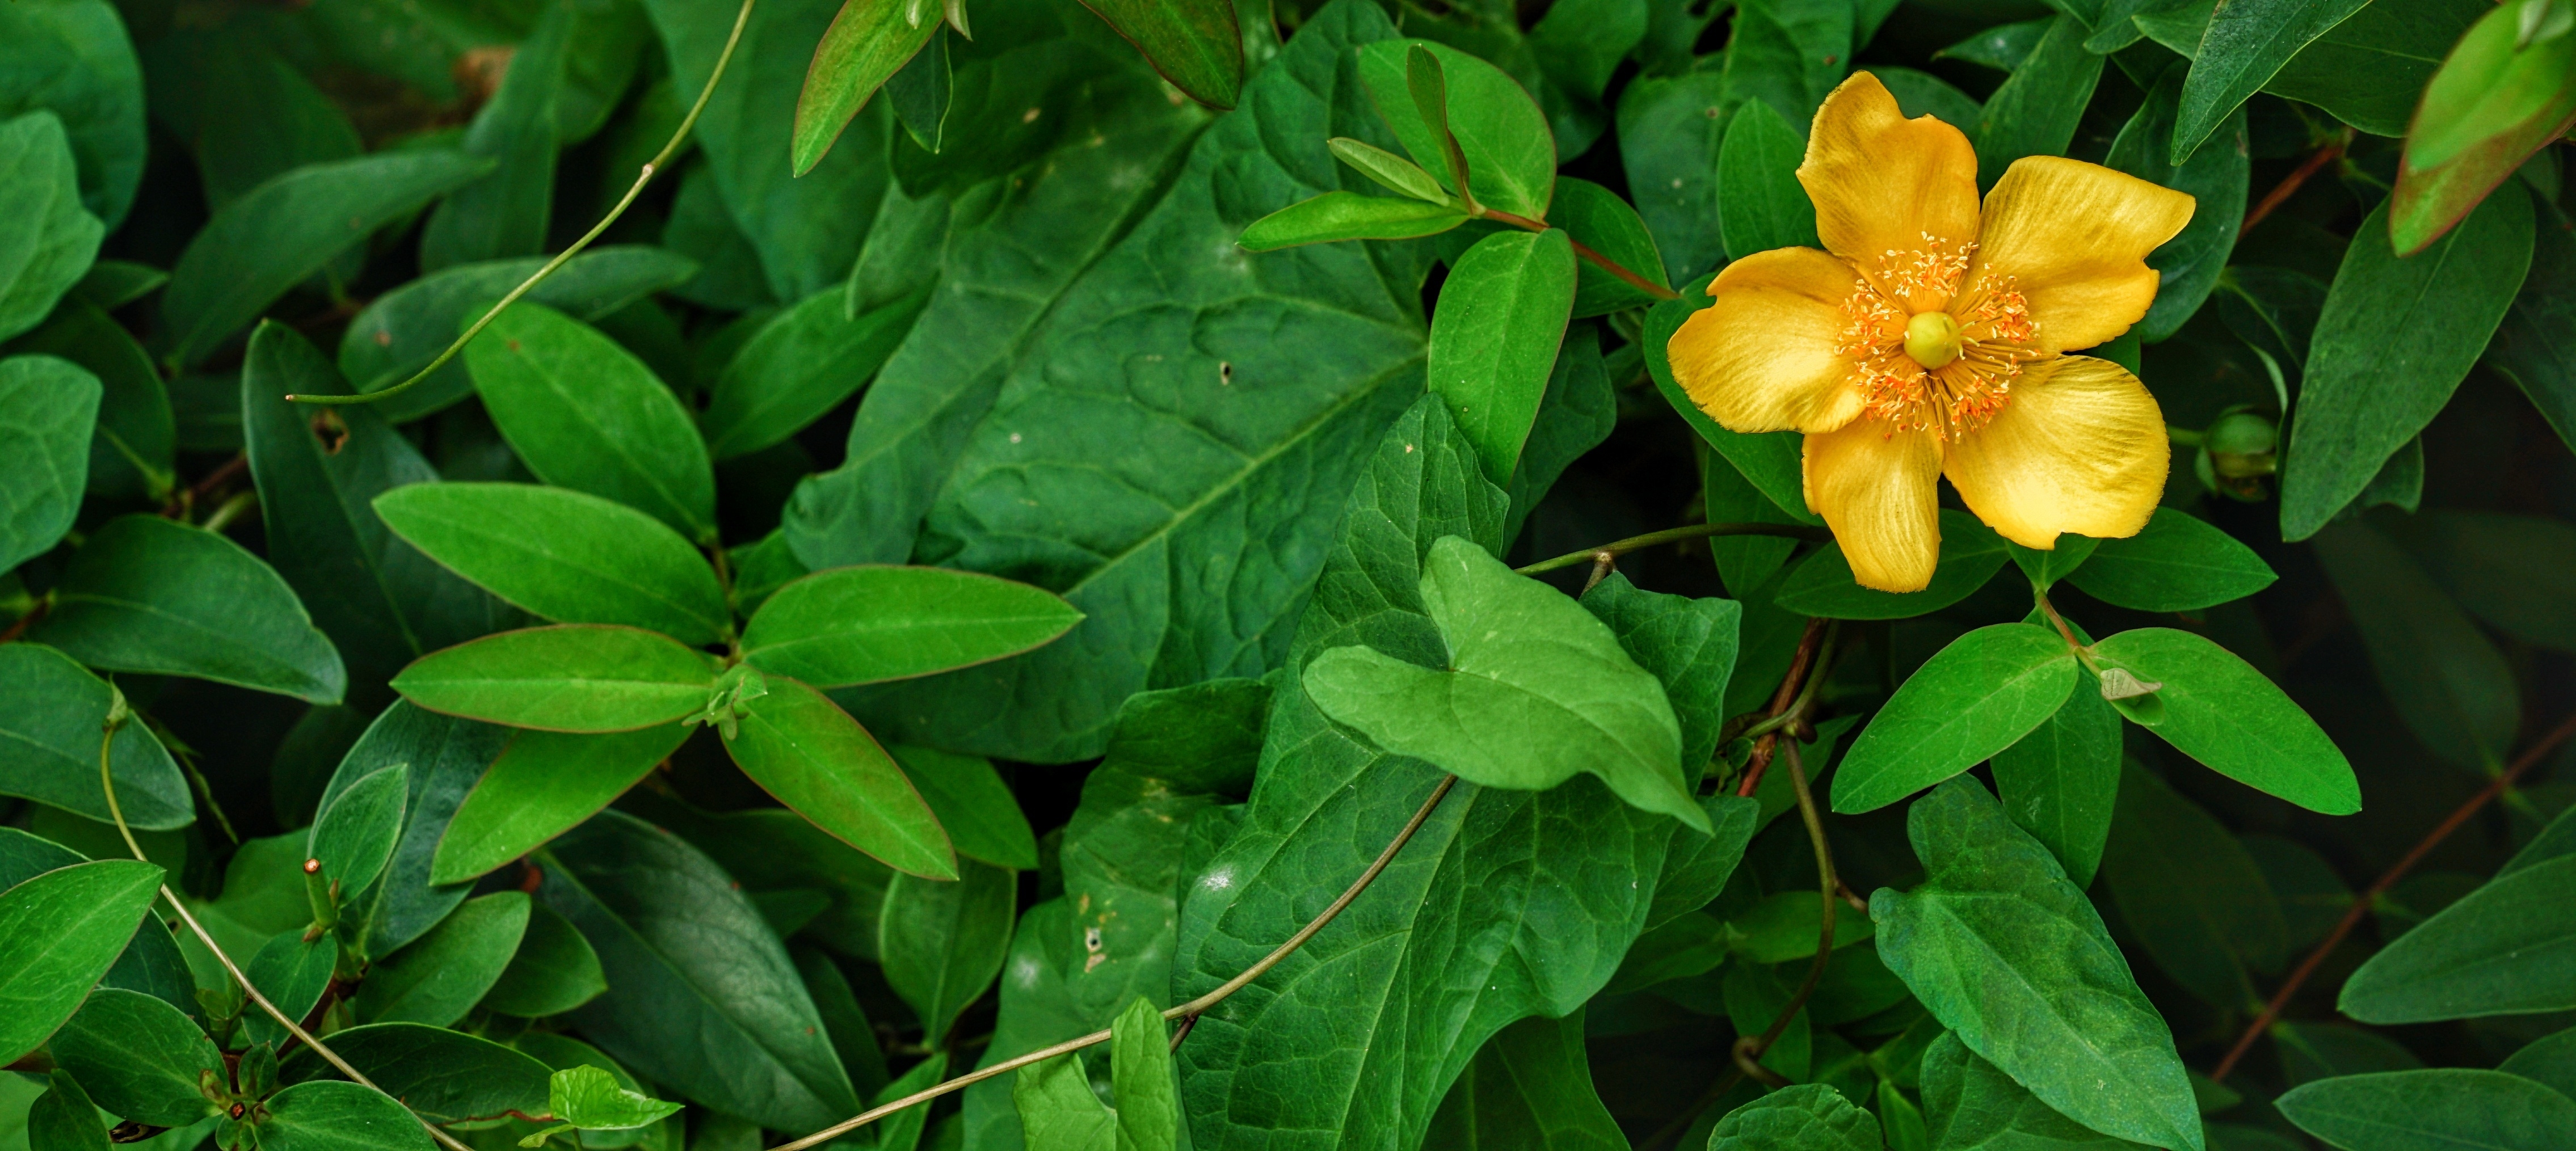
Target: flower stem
(651,168)
(1619,548)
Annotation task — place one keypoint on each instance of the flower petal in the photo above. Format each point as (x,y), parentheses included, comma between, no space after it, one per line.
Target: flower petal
(1875,488)
(2079,448)
(1762,358)
(1882,182)
(2075,237)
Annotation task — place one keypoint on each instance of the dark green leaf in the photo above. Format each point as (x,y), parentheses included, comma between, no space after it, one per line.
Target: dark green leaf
(356,833)
(1510,153)
(942,942)
(2190,892)
(1494,338)
(44,451)
(50,753)
(2246,42)
(436,978)
(1803,1117)
(2450,684)
(2517,573)
(443,1076)
(2061,782)
(2550,1059)
(2215,177)
(334,1116)
(46,238)
(292,972)
(1689,644)
(1336,216)
(146,594)
(2431,1110)
(1970,1105)
(861,625)
(59,932)
(1579,44)
(804,749)
(1529,1088)
(1760,203)
(140,1058)
(2396,337)
(553,971)
(64,1119)
(2505,948)
(570,677)
(131,453)
(1823,585)
(277,234)
(921,92)
(443,756)
(700,995)
(2176,563)
(564,555)
(586,414)
(504,213)
(801,364)
(983,819)
(1195,44)
(1671,130)
(2532,347)
(540,785)
(247,113)
(2071,1024)
(1603,222)
(2036,111)
(76,59)
(1978,696)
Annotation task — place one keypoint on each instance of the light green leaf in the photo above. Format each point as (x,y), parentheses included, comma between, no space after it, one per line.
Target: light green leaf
(1195,44)
(859,625)
(542,784)
(1057,1110)
(357,830)
(1140,1072)
(438,977)
(1534,691)
(49,752)
(1510,153)
(585,414)
(1974,698)
(1494,338)
(564,555)
(139,1057)
(1822,584)
(277,234)
(592,1100)
(46,238)
(1336,216)
(800,365)
(2395,339)
(2070,1023)
(150,595)
(1971,1105)
(868,42)
(553,971)
(2434,1109)
(334,1116)
(1801,1117)
(1392,172)
(59,932)
(983,819)
(50,405)
(2178,562)
(804,749)
(2222,712)
(1761,205)
(570,677)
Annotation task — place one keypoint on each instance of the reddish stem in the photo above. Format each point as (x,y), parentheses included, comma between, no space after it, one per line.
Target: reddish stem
(1585,251)
(2289,185)
(1769,743)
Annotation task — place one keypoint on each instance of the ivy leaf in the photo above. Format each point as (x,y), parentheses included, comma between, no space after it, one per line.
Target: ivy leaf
(1057,1110)
(1140,1072)
(1534,691)
(1800,1117)
(1531,1086)
(2071,1024)
(1974,698)
(2222,712)
(150,595)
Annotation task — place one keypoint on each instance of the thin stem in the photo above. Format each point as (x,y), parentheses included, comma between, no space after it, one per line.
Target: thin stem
(1669,535)
(2362,903)
(2289,185)
(1787,704)
(107,781)
(1187,1013)
(651,168)
(1585,252)
(232,509)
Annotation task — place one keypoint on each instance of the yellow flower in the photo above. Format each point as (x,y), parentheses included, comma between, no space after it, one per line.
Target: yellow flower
(1928,340)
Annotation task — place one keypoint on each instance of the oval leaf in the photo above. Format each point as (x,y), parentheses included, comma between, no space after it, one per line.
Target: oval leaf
(800,746)
(1494,336)
(855,625)
(58,933)
(564,555)
(2222,712)
(1974,698)
(157,596)
(571,677)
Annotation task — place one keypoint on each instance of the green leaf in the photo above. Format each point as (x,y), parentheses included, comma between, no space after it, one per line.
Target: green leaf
(922,91)
(1823,585)
(1336,216)
(2045,568)
(860,625)
(2190,263)
(247,113)
(332,1116)
(1597,218)
(1510,153)
(44,451)
(47,239)
(1140,1071)
(1391,172)
(1761,205)
(2396,337)
(130,455)
(292,972)
(2247,41)
(942,942)
(590,1099)
(1971,1105)
(442,1076)
(1978,696)
(2550,1059)
(553,971)
(285,230)
(2503,949)
(438,977)
(381,601)
(2517,573)
(2178,562)
(49,753)
(585,414)
(505,212)
(2190,893)
(806,228)
(869,41)
(2496,100)
(2036,111)
(801,747)
(444,756)
(59,932)
(2450,684)
(139,1057)
(1801,1117)
(150,595)
(1494,338)
(77,60)
(2532,347)
(1579,45)
(64,1119)
(570,677)
(1534,691)
(1688,644)
(2061,782)
(800,365)
(357,830)
(1671,132)
(983,819)
(1530,1087)
(542,784)
(1195,44)
(2432,1109)
(1057,1109)
(2222,712)
(2070,1024)
(564,555)
(401,331)
(701,997)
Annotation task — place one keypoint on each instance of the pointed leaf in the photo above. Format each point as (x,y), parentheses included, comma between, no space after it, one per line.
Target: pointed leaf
(543,784)
(2222,712)
(51,405)
(570,677)
(150,595)
(563,555)
(1336,216)
(49,752)
(585,414)
(1974,698)
(58,933)
(1195,44)
(1494,338)
(140,1058)
(2432,1109)
(868,42)
(800,746)
(858,625)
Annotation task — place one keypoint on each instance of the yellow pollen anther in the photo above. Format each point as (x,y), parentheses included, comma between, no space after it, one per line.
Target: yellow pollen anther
(1932,339)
